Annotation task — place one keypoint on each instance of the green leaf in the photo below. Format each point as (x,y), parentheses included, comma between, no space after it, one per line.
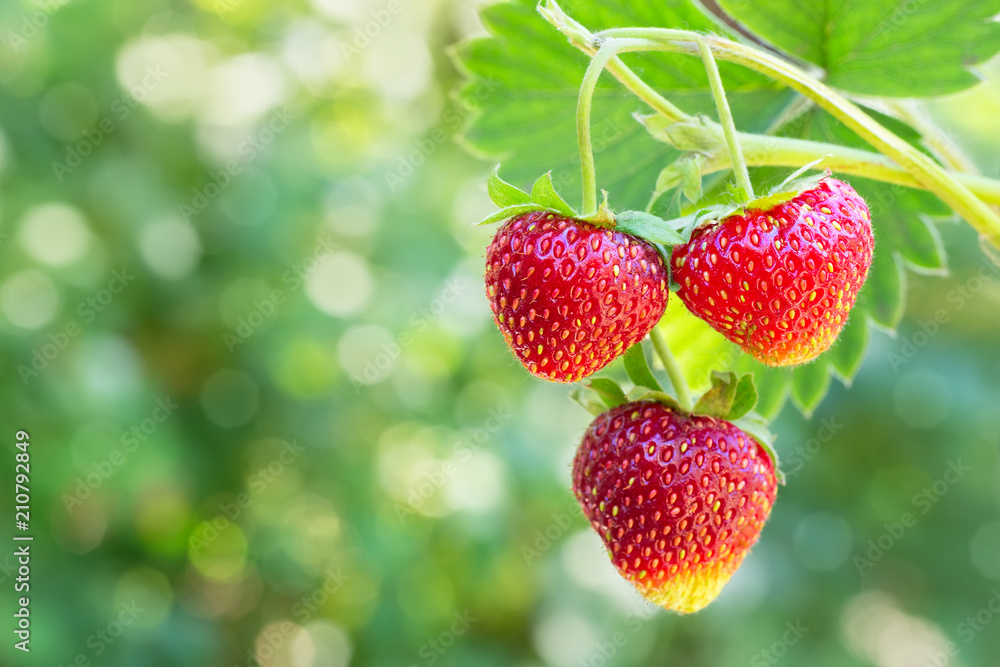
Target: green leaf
(745,398)
(508,212)
(882,296)
(523,81)
(660,397)
(848,352)
(917,239)
(638,369)
(502,193)
(647,226)
(684,172)
(608,390)
(718,401)
(544,194)
(809,385)
(694,135)
(881,47)
(587,400)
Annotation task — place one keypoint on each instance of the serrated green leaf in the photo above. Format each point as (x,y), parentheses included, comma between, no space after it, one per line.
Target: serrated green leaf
(718,400)
(638,368)
(848,352)
(525,77)
(745,398)
(502,193)
(647,226)
(809,385)
(609,391)
(919,243)
(881,47)
(508,212)
(882,296)
(544,194)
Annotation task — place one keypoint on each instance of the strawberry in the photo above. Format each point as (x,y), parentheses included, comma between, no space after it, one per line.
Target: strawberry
(568,296)
(780,281)
(679,499)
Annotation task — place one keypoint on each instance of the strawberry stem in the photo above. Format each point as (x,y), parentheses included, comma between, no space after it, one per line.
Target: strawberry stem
(726,118)
(673,369)
(583,39)
(959,190)
(584,106)
(583,113)
(927,173)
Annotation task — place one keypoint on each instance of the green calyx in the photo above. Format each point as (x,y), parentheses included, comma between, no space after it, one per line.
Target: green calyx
(543,197)
(730,398)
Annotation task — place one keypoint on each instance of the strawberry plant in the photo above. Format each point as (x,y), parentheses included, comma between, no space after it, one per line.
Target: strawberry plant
(782,195)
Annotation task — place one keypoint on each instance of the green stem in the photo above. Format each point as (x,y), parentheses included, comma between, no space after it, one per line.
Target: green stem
(673,370)
(924,170)
(584,106)
(584,39)
(726,118)
(932,136)
(762,150)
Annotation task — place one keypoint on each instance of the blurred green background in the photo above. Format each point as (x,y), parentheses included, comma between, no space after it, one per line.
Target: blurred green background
(271,421)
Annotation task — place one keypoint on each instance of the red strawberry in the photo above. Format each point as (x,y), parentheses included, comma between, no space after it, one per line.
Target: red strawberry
(780,282)
(679,499)
(569,297)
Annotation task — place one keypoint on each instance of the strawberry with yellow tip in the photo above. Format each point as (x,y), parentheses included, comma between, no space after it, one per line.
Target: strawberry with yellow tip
(569,296)
(679,499)
(780,279)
